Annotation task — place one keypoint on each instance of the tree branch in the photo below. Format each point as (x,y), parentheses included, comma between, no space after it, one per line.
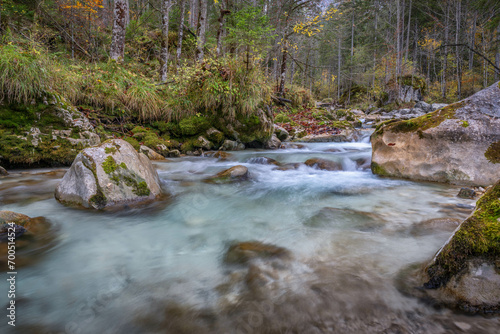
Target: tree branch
(475,51)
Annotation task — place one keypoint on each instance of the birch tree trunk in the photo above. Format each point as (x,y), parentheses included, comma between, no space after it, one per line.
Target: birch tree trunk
(164,54)
(181,31)
(120,18)
(445,62)
(193,13)
(457,49)
(398,38)
(202,26)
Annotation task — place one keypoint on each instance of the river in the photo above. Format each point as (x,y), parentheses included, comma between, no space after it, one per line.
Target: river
(160,269)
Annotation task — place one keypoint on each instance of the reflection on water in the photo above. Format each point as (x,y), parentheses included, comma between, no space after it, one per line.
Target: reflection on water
(149,271)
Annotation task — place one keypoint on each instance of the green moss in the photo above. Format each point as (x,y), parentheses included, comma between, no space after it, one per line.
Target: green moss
(132,141)
(109,165)
(110,150)
(427,121)
(138,185)
(465,124)
(378,170)
(193,125)
(142,189)
(478,236)
(123,165)
(493,153)
(98,201)
(282,118)
(188,145)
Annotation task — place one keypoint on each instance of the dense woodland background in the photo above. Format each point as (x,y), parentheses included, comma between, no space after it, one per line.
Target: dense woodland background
(170,58)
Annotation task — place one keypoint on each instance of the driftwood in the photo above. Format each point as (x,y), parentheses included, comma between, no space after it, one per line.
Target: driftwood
(281,101)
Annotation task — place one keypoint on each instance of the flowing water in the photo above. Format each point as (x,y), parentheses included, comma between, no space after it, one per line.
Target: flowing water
(160,269)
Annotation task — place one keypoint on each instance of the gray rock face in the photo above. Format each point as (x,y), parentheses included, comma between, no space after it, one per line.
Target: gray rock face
(3,172)
(273,143)
(281,133)
(408,94)
(458,144)
(231,145)
(110,174)
(152,155)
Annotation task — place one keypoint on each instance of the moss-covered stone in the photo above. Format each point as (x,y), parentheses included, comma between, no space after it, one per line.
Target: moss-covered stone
(478,236)
(193,125)
(493,153)
(426,121)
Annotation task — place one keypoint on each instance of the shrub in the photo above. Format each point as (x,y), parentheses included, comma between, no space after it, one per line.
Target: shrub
(300,96)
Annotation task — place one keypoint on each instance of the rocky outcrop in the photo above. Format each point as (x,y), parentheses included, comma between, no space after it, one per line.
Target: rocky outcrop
(231,145)
(3,172)
(343,135)
(465,272)
(457,144)
(50,132)
(111,174)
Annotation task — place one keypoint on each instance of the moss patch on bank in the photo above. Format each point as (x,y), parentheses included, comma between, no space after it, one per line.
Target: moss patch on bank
(493,153)
(478,236)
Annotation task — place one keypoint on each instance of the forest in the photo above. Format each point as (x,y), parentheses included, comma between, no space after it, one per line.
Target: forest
(250,166)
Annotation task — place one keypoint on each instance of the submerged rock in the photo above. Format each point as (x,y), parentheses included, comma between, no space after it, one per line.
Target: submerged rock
(467,193)
(108,175)
(323,164)
(345,218)
(458,144)
(466,270)
(236,173)
(431,226)
(243,252)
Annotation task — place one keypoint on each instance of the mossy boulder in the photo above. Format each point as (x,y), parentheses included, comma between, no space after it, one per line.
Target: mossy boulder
(243,252)
(48,132)
(252,130)
(438,147)
(466,270)
(109,175)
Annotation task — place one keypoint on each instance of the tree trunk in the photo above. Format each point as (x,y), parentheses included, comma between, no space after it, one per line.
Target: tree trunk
(497,55)
(472,42)
(408,34)
(457,50)
(194,9)
(339,58)
(164,54)
(445,62)
(181,31)
(222,22)
(281,90)
(119,25)
(202,26)
(398,38)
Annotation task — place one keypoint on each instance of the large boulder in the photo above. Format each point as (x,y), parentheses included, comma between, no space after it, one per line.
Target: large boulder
(48,132)
(465,272)
(458,144)
(107,175)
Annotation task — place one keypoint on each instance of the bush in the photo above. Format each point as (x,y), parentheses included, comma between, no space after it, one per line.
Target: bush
(24,73)
(300,96)
(221,88)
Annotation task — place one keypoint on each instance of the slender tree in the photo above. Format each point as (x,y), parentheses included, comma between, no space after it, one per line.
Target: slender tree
(202,26)
(164,54)
(120,18)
